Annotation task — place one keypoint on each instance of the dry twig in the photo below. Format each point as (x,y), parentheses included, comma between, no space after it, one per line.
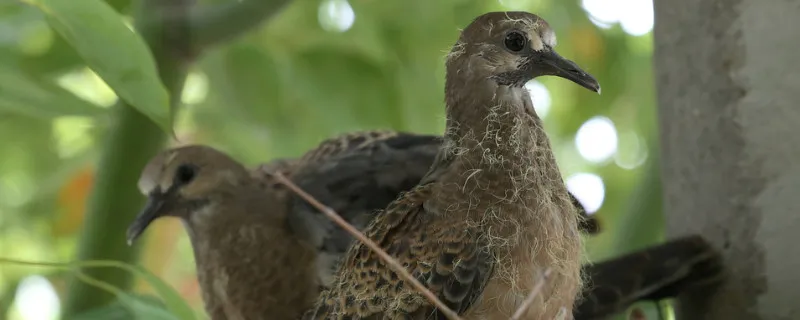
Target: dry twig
(529,299)
(372,245)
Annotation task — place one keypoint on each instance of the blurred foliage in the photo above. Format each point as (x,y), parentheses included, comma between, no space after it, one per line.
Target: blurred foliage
(277,91)
(132,306)
(114,52)
(172,307)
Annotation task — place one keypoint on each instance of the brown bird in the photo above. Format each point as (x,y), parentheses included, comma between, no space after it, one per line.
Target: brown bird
(239,233)
(358,181)
(493,211)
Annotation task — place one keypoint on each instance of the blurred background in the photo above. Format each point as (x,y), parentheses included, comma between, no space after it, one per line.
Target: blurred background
(312,70)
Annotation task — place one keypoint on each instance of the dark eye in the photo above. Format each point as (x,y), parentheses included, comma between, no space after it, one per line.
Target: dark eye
(515,41)
(185,174)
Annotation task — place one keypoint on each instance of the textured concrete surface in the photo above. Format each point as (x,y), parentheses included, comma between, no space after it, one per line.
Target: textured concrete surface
(729,110)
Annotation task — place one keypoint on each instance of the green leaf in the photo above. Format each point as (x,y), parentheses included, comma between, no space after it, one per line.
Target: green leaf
(176,306)
(172,298)
(118,55)
(24,95)
(128,307)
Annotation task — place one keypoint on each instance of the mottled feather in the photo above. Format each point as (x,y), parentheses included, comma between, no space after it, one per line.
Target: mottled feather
(453,266)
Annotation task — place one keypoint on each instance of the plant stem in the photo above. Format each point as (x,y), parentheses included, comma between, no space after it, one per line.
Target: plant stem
(114,201)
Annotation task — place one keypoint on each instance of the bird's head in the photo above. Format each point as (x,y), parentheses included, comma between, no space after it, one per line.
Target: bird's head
(511,48)
(183,182)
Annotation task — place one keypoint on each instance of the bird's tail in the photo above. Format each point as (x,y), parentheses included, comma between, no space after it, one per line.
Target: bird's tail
(653,274)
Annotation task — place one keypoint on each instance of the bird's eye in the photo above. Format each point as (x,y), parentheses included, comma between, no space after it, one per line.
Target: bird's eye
(185,174)
(515,41)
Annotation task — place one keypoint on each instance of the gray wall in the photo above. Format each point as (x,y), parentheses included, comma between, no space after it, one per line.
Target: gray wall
(728,82)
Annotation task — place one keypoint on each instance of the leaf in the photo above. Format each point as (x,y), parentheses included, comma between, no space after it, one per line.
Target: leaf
(24,95)
(118,55)
(128,307)
(173,301)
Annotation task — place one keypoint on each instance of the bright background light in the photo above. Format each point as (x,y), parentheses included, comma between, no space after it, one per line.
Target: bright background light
(634,16)
(36,299)
(540,97)
(336,15)
(589,189)
(596,139)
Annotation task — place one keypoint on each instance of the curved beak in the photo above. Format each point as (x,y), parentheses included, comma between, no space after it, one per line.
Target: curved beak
(551,63)
(151,211)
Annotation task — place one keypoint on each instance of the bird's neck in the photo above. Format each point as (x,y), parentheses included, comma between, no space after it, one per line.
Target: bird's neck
(488,120)
(495,143)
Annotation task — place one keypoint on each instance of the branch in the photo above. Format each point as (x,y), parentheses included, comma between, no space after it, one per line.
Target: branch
(214,24)
(531,296)
(369,243)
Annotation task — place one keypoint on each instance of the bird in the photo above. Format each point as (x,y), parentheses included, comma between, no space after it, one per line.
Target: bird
(492,212)
(360,180)
(238,231)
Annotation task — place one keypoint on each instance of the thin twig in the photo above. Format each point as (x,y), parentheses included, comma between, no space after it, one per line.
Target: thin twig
(372,245)
(531,296)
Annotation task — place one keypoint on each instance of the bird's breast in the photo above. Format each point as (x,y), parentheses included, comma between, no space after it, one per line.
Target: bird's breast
(256,271)
(518,271)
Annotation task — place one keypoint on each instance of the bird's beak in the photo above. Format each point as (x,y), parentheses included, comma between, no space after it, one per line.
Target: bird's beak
(554,64)
(151,211)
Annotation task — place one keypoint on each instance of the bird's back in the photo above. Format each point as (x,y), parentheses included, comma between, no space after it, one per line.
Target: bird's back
(450,261)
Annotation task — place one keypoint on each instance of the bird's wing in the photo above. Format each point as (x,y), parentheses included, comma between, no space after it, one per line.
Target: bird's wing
(331,148)
(367,178)
(356,184)
(347,142)
(655,273)
(450,261)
